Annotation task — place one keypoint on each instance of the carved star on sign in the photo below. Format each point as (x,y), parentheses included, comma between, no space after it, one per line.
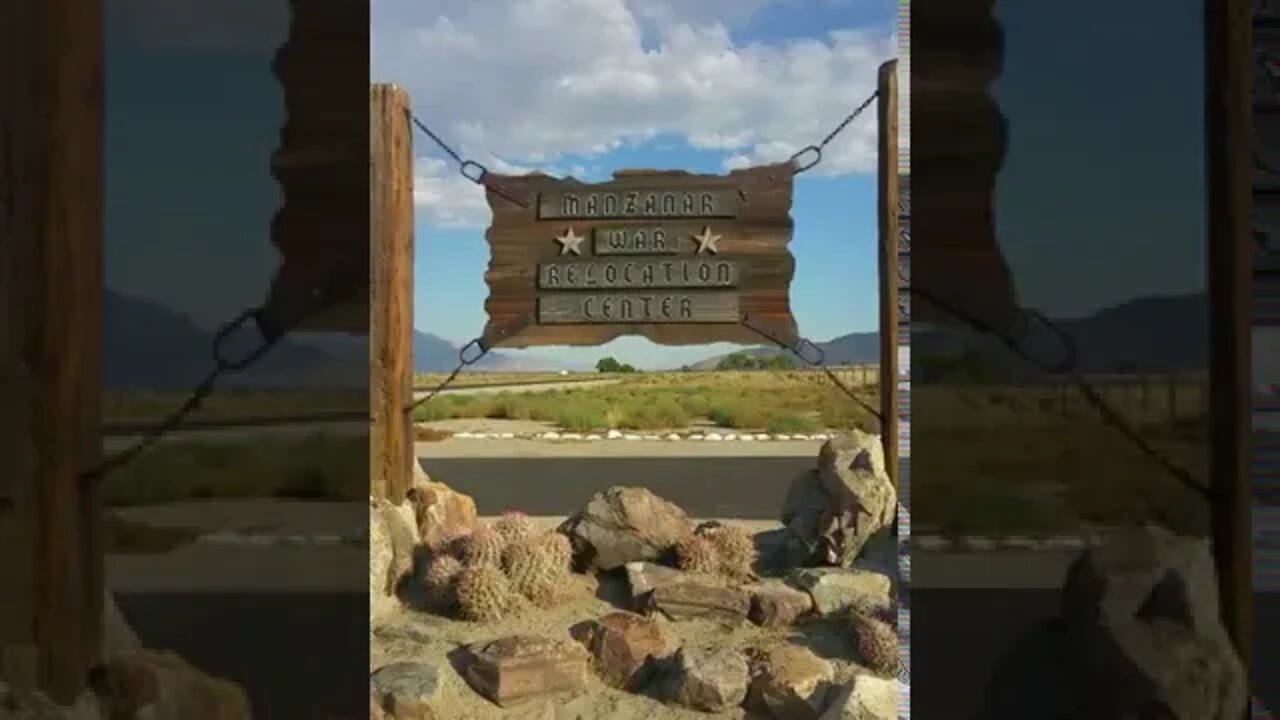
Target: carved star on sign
(707,241)
(570,242)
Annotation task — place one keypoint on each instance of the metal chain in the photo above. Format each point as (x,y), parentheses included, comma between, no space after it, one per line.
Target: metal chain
(490,339)
(798,348)
(817,149)
(223,366)
(463,363)
(469,169)
(1068,366)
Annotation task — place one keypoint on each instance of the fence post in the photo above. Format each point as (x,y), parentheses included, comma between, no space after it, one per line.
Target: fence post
(51,551)
(887,375)
(391,297)
(1228,138)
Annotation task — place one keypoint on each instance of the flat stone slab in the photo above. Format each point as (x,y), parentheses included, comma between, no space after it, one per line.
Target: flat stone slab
(408,691)
(691,598)
(521,668)
(835,590)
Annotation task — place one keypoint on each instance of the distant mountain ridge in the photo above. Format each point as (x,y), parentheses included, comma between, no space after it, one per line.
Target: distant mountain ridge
(147,346)
(1149,335)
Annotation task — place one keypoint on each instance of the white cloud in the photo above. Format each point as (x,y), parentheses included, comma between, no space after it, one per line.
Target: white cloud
(535,80)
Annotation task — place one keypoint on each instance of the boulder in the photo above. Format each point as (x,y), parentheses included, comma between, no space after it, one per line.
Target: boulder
(162,685)
(408,691)
(441,513)
(19,704)
(865,698)
(118,637)
(391,548)
(776,604)
(792,683)
(643,577)
(835,590)
(710,680)
(1144,630)
(625,524)
(830,512)
(624,648)
(522,668)
(693,598)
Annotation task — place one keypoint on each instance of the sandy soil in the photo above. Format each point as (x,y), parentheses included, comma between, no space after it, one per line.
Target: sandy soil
(422,637)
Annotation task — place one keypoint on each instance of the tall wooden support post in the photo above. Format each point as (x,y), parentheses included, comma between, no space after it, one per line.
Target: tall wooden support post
(887,109)
(51,200)
(1228,137)
(391,302)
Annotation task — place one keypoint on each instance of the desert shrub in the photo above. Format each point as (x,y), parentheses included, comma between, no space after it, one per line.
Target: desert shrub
(791,423)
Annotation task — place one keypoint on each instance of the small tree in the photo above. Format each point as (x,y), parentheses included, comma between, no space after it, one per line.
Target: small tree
(611,365)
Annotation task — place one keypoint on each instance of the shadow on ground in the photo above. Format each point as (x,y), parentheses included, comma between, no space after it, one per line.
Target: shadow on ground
(303,656)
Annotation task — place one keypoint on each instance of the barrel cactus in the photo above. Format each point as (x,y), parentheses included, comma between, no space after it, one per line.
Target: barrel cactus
(484,594)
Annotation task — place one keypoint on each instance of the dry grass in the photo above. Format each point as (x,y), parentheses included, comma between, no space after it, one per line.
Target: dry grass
(319,467)
(232,404)
(1005,461)
(776,401)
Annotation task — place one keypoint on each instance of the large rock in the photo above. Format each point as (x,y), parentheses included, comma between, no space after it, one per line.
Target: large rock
(625,524)
(625,648)
(391,545)
(118,637)
(693,598)
(835,590)
(776,604)
(865,698)
(19,704)
(162,686)
(644,577)
(522,668)
(441,514)
(1144,630)
(408,691)
(831,511)
(710,680)
(792,683)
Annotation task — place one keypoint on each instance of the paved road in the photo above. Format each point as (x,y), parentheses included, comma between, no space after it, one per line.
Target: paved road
(518,388)
(300,657)
(749,488)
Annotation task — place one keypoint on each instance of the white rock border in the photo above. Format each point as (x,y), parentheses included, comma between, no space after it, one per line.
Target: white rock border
(693,436)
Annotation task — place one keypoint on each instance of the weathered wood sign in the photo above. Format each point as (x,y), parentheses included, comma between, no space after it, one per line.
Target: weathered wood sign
(678,258)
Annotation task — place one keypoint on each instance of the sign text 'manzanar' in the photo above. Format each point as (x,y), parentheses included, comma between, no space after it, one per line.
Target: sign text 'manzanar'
(641,273)
(718,202)
(577,308)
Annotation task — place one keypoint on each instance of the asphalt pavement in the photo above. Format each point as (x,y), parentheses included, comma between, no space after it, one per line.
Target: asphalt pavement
(749,488)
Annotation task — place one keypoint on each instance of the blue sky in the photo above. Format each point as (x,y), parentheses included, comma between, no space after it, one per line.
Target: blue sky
(834,291)
(1105,153)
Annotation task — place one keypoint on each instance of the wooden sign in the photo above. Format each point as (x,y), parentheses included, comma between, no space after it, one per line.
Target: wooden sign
(678,258)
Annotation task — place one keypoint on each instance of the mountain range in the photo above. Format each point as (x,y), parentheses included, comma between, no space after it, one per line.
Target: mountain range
(1148,335)
(148,346)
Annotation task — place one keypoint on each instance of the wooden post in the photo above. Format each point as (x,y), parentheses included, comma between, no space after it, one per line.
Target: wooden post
(1228,139)
(887,110)
(51,145)
(391,302)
